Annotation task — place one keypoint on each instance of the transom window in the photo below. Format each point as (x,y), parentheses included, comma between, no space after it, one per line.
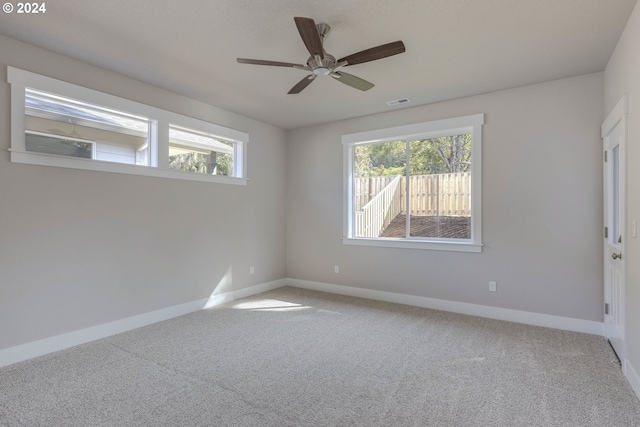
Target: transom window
(55,123)
(200,152)
(67,127)
(415,186)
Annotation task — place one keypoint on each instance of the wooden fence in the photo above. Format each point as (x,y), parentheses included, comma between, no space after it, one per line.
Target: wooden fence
(365,189)
(378,212)
(431,195)
(447,194)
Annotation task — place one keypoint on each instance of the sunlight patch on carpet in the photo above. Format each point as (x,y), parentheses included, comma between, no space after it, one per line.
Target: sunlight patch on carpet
(270,305)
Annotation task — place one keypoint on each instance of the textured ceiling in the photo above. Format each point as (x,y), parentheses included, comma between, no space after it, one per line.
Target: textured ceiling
(455,48)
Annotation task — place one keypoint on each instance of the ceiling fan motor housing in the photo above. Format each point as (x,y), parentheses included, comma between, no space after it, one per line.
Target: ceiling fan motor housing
(322,67)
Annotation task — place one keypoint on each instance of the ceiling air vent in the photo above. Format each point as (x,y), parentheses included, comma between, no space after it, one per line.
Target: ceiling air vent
(398,101)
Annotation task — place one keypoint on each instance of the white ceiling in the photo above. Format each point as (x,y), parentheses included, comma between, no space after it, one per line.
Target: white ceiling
(455,48)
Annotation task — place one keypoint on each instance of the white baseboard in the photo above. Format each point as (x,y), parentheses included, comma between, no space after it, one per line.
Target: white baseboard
(33,349)
(529,318)
(632,376)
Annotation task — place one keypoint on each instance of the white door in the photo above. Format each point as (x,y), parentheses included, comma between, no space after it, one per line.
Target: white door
(614,139)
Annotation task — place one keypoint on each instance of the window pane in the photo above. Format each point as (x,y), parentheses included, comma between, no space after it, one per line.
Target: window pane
(194,151)
(51,144)
(63,126)
(440,187)
(378,189)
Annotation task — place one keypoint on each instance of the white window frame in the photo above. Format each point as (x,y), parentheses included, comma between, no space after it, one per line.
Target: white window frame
(159,132)
(471,124)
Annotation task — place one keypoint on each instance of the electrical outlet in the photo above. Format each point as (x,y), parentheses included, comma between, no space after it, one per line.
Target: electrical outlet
(336,269)
(493,286)
(252,270)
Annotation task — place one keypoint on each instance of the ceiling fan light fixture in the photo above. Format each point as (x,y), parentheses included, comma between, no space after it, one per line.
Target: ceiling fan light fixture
(321,71)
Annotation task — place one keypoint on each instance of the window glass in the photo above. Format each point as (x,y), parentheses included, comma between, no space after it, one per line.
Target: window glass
(439,187)
(377,188)
(435,191)
(64,126)
(59,145)
(193,151)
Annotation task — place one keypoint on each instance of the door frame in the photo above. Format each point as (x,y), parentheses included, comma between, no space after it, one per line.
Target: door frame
(617,116)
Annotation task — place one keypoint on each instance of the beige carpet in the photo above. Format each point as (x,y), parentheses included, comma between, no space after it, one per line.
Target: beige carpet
(293,357)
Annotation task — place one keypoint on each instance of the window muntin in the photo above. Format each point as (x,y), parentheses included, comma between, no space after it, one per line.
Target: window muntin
(200,152)
(53,123)
(433,203)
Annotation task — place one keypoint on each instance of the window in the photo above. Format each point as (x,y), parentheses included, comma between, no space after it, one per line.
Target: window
(68,127)
(193,151)
(55,123)
(415,186)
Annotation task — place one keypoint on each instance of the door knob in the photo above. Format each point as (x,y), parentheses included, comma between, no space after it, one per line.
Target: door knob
(616,256)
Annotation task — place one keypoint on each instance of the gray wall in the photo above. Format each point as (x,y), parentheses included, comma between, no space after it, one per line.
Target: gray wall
(542,205)
(81,248)
(622,76)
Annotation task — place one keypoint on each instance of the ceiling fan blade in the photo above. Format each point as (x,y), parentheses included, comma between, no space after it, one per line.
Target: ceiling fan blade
(302,84)
(351,80)
(374,53)
(272,63)
(310,37)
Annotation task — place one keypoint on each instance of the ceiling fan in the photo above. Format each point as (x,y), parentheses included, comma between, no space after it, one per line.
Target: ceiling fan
(320,63)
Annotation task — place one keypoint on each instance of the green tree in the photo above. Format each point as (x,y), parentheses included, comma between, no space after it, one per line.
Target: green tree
(447,154)
(189,162)
(455,152)
(389,158)
(215,163)
(362,154)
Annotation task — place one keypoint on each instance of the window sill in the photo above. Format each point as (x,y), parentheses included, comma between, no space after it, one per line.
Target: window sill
(414,244)
(32,158)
